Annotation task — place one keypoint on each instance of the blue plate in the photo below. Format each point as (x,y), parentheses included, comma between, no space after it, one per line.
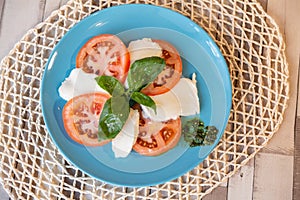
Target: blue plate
(200,55)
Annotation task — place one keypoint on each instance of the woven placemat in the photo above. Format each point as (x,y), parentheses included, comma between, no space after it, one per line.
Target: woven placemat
(32,167)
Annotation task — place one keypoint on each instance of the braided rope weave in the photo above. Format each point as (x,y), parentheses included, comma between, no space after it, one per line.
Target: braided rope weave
(32,167)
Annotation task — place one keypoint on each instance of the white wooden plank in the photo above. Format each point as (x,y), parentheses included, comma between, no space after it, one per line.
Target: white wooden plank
(63,2)
(298,103)
(277,10)
(296,193)
(1,9)
(3,194)
(219,193)
(224,184)
(293,39)
(273,177)
(50,6)
(240,185)
(17,17)
(283,141)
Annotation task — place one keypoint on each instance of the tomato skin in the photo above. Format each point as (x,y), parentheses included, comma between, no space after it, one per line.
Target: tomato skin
(77,112)
(170,76)
(115,62)
(162,141)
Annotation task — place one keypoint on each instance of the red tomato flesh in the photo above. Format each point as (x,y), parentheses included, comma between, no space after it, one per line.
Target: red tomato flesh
(104,55)
(170,76)
(81,118)
(156,138)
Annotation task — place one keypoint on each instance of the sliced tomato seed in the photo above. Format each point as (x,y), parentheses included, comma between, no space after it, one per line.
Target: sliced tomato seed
(92,135)
(78,128)
(96,108)
(166,54)
(143,143)
(166,133)
(167,73)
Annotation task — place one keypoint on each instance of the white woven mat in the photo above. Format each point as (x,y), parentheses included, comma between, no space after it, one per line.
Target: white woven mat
(31,166)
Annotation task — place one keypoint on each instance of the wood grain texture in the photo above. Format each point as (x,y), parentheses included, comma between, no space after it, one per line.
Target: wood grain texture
(219,193)
(50,6)
(63,2)
(293,53)
(296,185)
(283,140)
(273,178)
(17,18)
(240,185)
(1,10)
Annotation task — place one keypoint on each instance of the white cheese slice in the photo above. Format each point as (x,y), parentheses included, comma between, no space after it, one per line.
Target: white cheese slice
(181,100)
(143,48)
(78,82)
(187,94)
(167,107)
(122,144)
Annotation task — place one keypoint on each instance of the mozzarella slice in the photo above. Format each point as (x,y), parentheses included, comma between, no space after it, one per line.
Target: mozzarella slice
(123,142)
(181,100)
(187,93)
(143,48)
(167,107)
(78,82)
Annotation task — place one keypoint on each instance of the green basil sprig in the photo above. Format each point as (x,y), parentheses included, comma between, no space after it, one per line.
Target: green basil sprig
(197,134)
(116,109)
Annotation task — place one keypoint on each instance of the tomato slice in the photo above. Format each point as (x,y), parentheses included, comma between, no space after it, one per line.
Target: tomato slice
(170,76)
(81,118)
(156,138)
(104,55)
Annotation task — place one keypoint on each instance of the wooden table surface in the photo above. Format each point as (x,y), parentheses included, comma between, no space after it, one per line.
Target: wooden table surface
(274,173)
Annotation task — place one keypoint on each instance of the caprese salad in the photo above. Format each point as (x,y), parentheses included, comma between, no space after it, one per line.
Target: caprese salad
(133,97)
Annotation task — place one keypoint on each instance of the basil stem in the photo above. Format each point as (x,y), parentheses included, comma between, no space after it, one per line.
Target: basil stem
(144,100)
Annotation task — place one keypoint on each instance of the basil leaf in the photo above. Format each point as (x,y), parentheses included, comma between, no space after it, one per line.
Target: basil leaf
(211,135)
(113,117)
(106,108)
(110,84)
(143,99)
(120,106)
(110,125)
(144,71)
(196,134)
(105,111)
